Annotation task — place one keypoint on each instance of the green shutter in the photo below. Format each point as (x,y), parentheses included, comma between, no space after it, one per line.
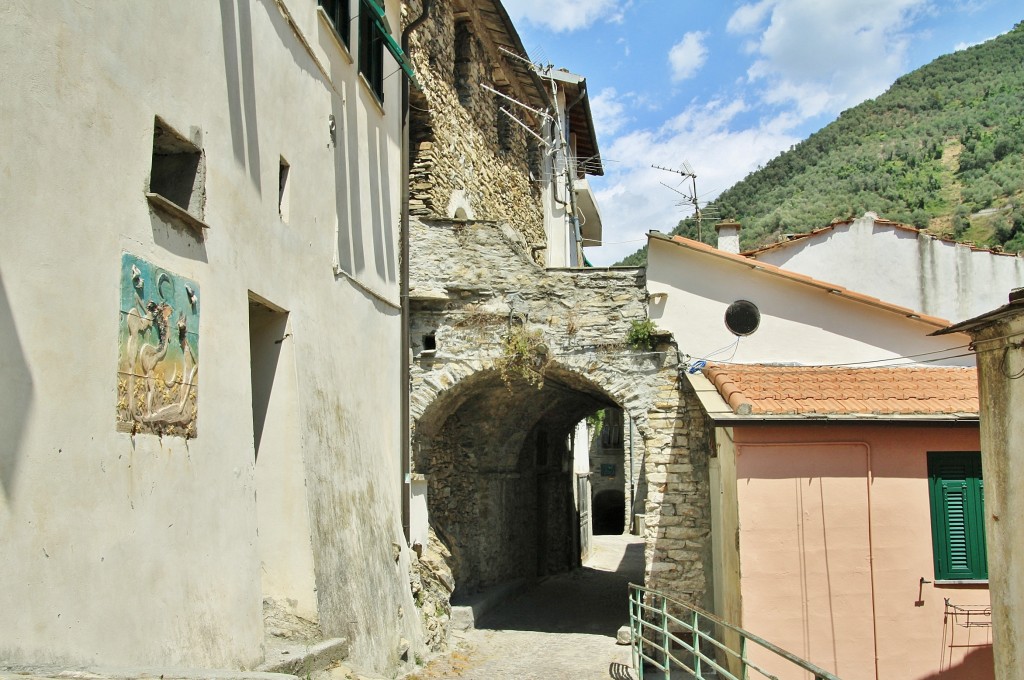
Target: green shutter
(957,506)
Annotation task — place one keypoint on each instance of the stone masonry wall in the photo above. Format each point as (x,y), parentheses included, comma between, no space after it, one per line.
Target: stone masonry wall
(469,282)
(462,156)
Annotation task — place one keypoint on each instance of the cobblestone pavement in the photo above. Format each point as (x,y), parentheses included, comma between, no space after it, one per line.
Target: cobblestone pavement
(562,629)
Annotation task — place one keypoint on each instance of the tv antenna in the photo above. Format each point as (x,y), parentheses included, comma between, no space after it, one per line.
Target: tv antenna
(687,173)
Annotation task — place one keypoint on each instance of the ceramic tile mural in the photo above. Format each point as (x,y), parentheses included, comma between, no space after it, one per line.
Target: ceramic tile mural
(158,357)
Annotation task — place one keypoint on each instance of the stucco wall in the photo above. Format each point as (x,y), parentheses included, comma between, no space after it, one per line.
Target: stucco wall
(1001,392)
(140,549)
(940,278)
(799,323)
(834,541)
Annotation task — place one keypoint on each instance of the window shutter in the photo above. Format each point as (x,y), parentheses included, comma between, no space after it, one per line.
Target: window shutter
(957,498)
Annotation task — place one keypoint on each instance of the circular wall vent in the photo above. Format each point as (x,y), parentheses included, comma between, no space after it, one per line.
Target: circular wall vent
(742,317)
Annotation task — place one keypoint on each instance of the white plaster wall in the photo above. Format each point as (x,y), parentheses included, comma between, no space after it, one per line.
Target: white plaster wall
(936,277)
(556,213)
(581,448)
(800,324)
(121,549)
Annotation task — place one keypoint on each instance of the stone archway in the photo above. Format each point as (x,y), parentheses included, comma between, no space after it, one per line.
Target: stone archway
(493,450)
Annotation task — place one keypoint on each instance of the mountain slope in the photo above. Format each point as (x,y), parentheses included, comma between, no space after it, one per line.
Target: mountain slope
(942,149)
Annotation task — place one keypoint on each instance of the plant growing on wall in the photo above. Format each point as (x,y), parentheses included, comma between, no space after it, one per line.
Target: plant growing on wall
(524,356)
(641,334)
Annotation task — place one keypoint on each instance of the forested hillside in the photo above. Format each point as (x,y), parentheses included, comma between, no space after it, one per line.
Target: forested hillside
(942,149)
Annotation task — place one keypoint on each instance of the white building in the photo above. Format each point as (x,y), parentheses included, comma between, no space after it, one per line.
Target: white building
(199,310)
(802,320)
(572,220)
(902,265)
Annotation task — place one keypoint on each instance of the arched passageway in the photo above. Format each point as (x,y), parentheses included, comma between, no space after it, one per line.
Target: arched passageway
(498,460)
(494,452)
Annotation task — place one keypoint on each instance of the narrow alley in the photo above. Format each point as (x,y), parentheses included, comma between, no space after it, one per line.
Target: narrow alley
(561,629)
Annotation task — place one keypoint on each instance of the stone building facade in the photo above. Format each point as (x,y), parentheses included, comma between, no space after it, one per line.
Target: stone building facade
(492,424)
(509,356)
(468,160)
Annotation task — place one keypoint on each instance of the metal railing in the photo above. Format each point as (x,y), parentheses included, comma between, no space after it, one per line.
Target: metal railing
(682,641)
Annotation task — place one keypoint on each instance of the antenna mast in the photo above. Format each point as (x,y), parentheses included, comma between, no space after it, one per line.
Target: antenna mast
(687,173)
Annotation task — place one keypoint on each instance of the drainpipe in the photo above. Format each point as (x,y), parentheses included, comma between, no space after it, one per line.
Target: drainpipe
(404,284)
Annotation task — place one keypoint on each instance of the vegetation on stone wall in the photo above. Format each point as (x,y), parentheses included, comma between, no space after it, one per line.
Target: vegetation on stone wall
(524,356)
(641,334)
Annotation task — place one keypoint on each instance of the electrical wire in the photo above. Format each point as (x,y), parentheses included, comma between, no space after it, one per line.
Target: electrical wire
(860,363)
(1002,362)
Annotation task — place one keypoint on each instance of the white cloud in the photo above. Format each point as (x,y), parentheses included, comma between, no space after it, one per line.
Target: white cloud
(631,196)
(748,18)
(964,45)
(688,55)
(566,15)
(822,57)
(609,112)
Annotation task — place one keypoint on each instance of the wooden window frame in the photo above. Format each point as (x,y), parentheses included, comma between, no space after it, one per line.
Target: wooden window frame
(338,13)
(371,52)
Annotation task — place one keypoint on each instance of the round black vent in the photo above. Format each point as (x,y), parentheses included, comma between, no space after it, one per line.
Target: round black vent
(742,317)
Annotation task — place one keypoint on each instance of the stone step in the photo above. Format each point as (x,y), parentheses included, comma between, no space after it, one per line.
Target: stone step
(466,612)
(303,659)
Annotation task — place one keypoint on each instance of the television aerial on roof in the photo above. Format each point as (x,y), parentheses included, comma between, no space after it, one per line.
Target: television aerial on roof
(687,173)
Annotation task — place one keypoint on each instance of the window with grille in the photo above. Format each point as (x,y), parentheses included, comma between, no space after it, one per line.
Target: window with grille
(957,492)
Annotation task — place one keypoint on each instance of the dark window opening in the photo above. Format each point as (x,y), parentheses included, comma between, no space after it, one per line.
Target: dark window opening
(371,52)
(337,11)
(429,342)
(282,189)
(463,63)
(177,171)
(505,126)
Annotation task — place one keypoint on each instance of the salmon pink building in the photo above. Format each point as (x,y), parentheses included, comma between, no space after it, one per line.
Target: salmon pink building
(847,523)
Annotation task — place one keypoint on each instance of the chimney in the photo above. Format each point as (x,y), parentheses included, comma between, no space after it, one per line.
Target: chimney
(728,236)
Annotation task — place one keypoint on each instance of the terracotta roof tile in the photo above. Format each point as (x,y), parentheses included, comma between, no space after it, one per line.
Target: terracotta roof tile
(761,389)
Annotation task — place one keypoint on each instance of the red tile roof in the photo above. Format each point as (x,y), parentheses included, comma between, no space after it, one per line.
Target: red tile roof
(759,389)
(832,288)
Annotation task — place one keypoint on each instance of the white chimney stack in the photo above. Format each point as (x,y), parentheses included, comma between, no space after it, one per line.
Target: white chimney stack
(728,236)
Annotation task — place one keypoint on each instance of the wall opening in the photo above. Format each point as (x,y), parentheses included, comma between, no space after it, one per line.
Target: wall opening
(283,189)
(463,63)
(609,508)
(503,479)
(282,513)
(177,171)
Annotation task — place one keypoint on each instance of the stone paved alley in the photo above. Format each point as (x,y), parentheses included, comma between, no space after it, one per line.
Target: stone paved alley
(562,629)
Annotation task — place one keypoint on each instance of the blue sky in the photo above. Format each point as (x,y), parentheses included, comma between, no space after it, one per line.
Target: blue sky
(727,86)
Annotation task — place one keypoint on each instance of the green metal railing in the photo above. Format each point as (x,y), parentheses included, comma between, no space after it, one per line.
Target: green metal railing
(672,638)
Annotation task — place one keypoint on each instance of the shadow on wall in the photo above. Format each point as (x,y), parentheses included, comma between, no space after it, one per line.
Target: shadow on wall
(977,664)
(241,85)
(17,383)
